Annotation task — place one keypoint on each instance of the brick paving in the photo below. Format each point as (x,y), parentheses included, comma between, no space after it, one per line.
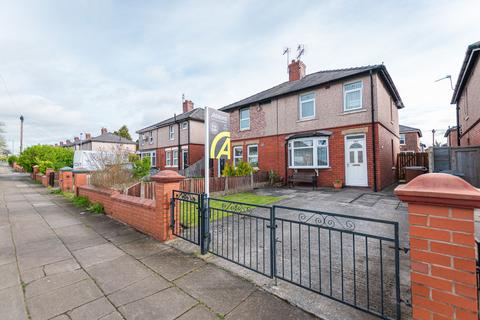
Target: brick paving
(57,262)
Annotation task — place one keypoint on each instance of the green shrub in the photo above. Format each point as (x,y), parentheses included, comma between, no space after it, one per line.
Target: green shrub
(57,157)
(242,169)
(141,167)
(80,202)
(132,157)
(95,208)
(56,191)
(11,159)
(44,165)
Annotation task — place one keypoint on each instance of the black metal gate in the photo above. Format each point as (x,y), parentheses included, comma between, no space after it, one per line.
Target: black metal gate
(350,259)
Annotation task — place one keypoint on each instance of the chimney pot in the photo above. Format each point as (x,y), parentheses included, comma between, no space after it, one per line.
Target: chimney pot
(296,70)
(187,106)
(104,130)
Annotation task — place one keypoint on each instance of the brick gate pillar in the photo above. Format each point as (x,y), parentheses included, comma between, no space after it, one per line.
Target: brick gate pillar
(79,179)
(65,179)
(442,243)
(165,182)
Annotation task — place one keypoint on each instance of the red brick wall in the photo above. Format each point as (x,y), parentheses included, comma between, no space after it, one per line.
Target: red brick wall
(471,137)
(272,155)
(136,212)
(452,138)
(412,142)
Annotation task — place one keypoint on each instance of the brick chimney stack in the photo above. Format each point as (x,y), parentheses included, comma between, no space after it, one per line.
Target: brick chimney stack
(61,143)
(68,141)
(88,136)
(76,139)
(104,130)
(296,70)
(187,106)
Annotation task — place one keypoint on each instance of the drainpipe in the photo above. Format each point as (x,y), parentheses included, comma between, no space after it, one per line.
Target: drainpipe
(286,161)
(374,144)
(458,125)
(179,151)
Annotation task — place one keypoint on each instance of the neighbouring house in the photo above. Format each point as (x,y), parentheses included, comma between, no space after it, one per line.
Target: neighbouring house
(335,124)
(106,141)
(466,96)
(452,137)
(410,139)
(177,142)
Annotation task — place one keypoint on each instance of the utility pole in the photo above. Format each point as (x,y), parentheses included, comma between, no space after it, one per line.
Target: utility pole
(21,133)
(433,137)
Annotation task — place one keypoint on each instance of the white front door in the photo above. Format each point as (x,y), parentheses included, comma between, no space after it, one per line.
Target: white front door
(356,161)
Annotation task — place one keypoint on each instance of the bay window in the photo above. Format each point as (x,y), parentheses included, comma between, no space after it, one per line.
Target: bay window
(308,153)
(252,155)
(175,158)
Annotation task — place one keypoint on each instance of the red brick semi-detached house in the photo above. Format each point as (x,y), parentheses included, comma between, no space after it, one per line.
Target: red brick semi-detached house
(326,123)
(467,98)
(410,139)
(177,142)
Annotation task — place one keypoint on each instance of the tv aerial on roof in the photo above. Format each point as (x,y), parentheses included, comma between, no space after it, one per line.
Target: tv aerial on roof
(300,51)
(286,51)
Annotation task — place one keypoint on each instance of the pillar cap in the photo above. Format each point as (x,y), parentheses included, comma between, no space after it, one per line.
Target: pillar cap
(167,176)
(67,168)
(440,189)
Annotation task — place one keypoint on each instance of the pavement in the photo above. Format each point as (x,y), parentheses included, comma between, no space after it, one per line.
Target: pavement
(57,262)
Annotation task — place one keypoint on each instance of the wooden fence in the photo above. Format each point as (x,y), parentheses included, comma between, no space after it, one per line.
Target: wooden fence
(142,189)
(226,184)
(410,159)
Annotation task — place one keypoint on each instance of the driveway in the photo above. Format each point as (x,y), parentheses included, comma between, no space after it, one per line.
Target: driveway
(320,252)
(57,262)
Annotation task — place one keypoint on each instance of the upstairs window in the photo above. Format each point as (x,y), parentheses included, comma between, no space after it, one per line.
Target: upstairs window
(244,119)
(184,125)
(150,137)
(252,155)
(402,139)
(237,155)
(171,132)
(307,106)
(352,96)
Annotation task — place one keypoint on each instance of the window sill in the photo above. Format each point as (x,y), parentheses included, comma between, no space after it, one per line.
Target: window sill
(242,130)
(353,111)
(306,119)
(312,168)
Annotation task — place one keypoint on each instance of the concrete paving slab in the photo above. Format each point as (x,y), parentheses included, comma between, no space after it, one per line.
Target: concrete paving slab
(53,282)
(119,273)
(42,257)
(46,306)
(172,263)
(61,266)
(9,275)
(144,247)
(97,254)
(199,312)
(165,305)
(113,316)
(139,290)
(32,274)
(12,306)
(261,305)
(218,289)
(125,236)
(61,317)
(92,310)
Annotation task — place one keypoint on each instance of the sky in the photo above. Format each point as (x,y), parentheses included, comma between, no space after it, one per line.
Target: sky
(77,66)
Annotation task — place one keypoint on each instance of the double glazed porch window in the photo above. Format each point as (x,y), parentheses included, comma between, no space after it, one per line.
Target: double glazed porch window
(308,153)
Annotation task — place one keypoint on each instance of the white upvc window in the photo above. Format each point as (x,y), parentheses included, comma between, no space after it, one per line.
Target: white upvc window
(237,155)
(150,137)
(402,139)
(244,119)
(252,155)
(168,158)
(184,125)
(307,106)
(171,132)
(175,158)
(308,153)
(153,157)
(143,137)
(352,96)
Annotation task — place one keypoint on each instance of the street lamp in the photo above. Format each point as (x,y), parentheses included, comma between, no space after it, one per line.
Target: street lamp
(21,133)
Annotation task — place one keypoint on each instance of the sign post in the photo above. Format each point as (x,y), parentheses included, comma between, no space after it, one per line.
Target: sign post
(217,140)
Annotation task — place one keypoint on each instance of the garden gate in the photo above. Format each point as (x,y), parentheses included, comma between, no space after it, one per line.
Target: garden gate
(350,259)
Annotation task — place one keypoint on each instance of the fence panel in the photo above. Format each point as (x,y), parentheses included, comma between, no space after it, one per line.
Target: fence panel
(225,184)
(411,160)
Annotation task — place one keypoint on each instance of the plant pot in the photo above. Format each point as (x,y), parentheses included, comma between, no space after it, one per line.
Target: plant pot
(337,185)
